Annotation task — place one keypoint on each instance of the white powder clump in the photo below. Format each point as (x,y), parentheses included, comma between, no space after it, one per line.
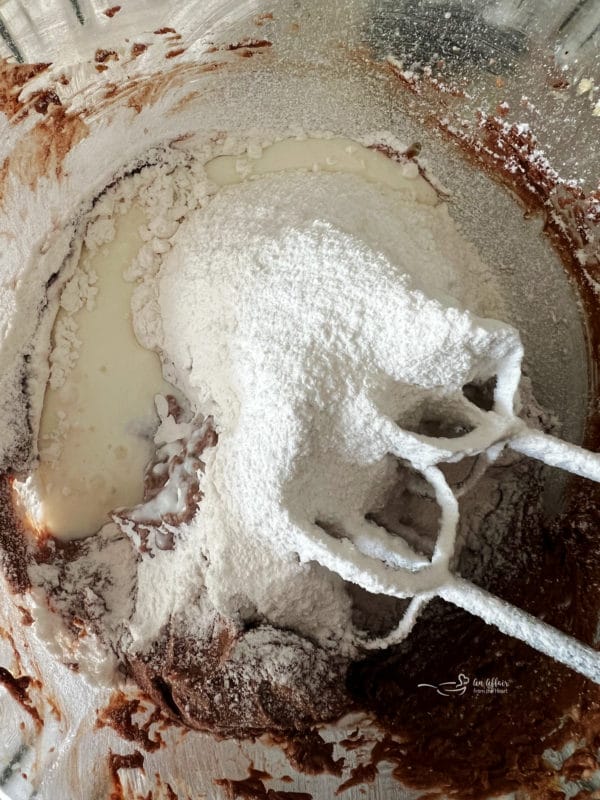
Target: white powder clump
(80,291)
(316,306)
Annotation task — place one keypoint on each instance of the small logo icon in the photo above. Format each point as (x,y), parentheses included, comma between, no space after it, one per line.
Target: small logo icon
(449,688)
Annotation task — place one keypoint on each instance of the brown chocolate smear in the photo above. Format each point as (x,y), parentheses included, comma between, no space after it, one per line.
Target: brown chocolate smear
(262,19)
(253,788)
(309,753)
(26,617)
(52,550)
(102,56)
(249,44)
(403,156)
(117,761)
(110,12)
(363,773)
(14,554)
(354,742)
(13,78)
(42,150)
(119,715)
(41,100)
(18,688)
(141,92)
(164,791)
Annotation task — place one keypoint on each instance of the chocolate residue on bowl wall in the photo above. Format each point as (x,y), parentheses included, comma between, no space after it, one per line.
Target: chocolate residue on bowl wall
(116,762)
(18,688)
(249,44)
(43,151)
(142,92)
(14,553)
(253,788)
(13,77)
(119,715)
(361,774)
(309,753)
(102,56)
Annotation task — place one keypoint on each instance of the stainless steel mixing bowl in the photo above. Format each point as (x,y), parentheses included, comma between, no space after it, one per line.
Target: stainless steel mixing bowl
(529,62)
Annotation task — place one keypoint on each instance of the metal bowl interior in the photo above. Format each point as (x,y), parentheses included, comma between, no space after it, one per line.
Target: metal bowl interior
(324,71)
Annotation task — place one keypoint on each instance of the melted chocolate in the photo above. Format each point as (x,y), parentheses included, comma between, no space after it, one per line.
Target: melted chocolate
(514,694)
(43,99)
(137,48)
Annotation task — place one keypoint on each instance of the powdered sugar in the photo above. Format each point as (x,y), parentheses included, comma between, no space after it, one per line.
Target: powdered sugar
(286,344)
(79,291)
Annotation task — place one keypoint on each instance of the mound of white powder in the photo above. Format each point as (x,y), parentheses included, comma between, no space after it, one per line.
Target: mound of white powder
(297,310)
